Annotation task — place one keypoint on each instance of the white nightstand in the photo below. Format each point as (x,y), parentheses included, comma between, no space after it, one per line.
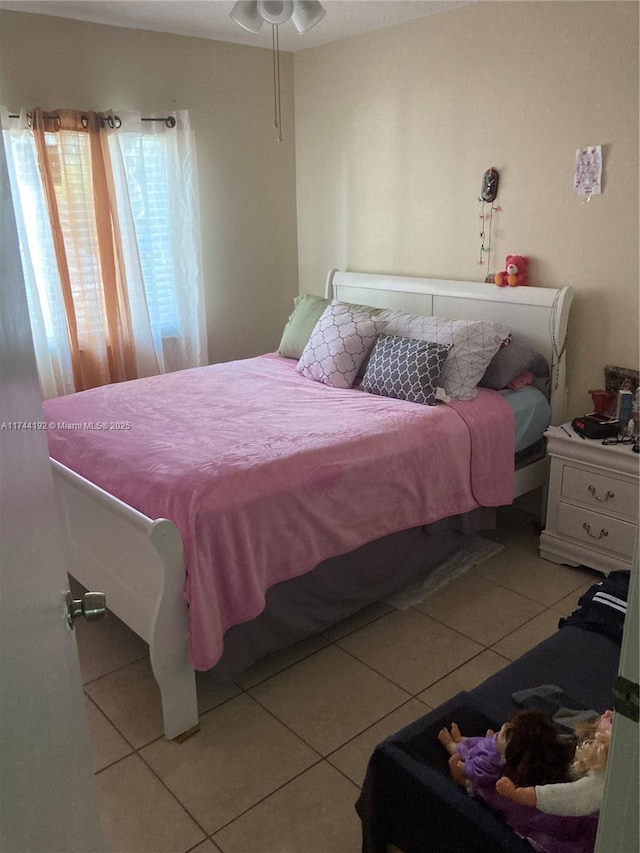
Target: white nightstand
(592,506)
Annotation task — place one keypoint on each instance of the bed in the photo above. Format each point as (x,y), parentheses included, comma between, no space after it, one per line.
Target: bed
(140,559)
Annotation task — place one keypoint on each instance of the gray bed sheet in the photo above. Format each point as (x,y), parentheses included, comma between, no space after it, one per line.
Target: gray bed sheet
(341,586)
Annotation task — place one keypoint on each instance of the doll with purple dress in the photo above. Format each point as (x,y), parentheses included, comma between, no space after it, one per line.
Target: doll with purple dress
(527,747)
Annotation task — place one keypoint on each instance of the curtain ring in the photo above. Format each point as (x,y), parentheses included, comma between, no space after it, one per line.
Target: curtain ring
(107,120)
(170,121)
(84,121)
(117,122)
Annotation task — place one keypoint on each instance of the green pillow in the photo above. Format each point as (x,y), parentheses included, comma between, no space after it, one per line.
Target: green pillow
(307,310)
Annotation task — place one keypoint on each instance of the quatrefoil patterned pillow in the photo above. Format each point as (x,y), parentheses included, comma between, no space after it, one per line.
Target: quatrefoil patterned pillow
(339,343)
(405,368)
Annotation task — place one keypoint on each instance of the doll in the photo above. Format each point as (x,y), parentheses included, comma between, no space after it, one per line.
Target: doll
(527,747)
(583,795)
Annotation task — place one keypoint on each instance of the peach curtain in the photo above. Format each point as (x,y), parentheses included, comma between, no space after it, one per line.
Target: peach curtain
(73,153)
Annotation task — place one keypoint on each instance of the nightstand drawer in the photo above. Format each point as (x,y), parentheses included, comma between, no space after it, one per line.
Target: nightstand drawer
(596,531)
(602,491)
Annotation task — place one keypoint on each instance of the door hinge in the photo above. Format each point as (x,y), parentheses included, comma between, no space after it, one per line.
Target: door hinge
(625,697)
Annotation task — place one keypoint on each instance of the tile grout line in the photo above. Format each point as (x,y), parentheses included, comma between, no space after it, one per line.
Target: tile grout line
(463,664)
(136,752)
(528,622)
(175,797)
(391,681)
(112,671)
(111,723)
(321,760)
(479,642)
(356,736)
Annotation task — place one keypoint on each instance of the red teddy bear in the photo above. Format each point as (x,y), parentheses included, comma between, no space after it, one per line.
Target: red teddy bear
(515,273)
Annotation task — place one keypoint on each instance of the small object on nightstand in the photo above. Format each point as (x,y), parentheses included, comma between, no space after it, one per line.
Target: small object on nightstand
(635,413)
(595,426)
(603,402)
(621,438)
(623,407)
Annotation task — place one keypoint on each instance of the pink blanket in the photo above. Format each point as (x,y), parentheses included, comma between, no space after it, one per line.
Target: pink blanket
(266,473)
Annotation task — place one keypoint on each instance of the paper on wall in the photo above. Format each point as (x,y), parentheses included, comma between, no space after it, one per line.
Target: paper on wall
(588,177)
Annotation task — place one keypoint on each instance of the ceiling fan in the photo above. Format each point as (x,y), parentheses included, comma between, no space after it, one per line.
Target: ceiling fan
(251,14)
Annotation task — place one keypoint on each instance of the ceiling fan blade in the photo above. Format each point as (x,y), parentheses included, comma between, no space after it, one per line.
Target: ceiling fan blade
(246,14)
(306,14)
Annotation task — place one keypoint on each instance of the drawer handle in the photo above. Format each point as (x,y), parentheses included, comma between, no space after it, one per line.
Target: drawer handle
(608,496)
(600,535)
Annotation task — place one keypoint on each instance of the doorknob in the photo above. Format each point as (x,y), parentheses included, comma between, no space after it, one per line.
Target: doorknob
(92,605)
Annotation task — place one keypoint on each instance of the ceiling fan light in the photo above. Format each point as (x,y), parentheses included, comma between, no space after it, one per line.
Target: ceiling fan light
(306,14)
(275,11)
(246,14)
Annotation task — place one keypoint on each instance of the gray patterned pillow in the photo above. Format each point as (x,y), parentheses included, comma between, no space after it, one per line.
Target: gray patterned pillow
(473,342)
(405,368)
(340,342)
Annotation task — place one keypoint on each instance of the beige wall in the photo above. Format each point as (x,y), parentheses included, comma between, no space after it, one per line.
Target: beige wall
(392,133)
(247,179)
(395,128)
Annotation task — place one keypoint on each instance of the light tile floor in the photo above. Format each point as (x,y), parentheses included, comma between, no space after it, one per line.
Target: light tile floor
(278,762)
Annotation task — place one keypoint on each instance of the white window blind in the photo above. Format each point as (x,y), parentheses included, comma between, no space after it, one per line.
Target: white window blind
(145,164)
(71,158)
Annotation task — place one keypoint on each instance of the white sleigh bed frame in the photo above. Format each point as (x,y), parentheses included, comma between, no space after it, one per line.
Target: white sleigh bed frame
(138,562)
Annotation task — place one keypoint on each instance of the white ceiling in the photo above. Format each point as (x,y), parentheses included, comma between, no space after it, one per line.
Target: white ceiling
(210,18)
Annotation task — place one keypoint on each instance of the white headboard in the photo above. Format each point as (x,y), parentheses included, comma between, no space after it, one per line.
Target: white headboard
(535,315)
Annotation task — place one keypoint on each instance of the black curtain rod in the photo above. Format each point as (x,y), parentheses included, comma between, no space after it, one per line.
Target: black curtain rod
(113,120)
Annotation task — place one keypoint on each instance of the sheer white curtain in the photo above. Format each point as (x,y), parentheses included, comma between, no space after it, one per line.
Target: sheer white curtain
(151,180)
(155,175)
(42,282)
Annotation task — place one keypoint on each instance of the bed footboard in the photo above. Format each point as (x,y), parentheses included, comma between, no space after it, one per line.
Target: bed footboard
(138,562)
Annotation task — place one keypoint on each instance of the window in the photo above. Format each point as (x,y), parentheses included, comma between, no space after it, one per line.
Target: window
(109,232)
(145,164)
